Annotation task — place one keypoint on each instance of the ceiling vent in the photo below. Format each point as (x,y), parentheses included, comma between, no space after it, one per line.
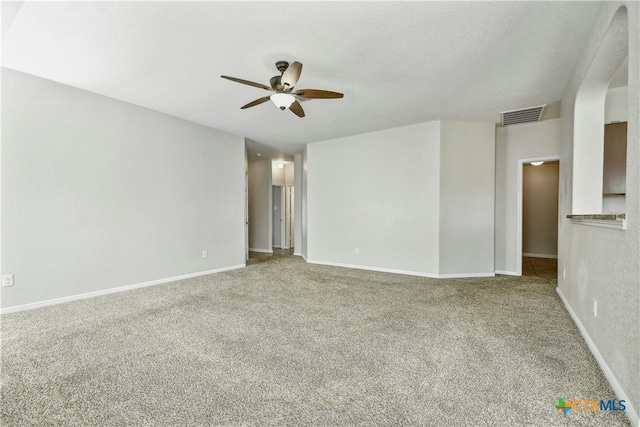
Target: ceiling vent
(523,115)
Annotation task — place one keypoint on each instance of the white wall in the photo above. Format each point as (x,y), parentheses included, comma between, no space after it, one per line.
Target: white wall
(282,176)
(467,159)
(615,106)
(540,210)
(297,202)
(602,263)
(303,207)
(377,192)
(260,194)
(513,144)
(99,194)
(289,174)
(277,174)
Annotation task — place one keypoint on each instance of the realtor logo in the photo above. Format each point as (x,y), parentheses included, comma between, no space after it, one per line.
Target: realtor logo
(563,406)
(588,405)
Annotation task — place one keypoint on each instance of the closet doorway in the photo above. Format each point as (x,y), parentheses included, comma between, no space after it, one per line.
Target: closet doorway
(539,219)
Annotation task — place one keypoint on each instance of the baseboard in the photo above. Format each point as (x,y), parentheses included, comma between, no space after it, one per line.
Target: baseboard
(613,382)
(465,275)
(382,270)
(304,258)
(530,255)
(264,251)
(407,272)
(508,273)
(62,300)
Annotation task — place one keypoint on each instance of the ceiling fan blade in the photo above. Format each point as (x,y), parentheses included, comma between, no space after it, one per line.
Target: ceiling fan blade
(291,75)
(296,108)
(317,94)
(256,102)
(247,82)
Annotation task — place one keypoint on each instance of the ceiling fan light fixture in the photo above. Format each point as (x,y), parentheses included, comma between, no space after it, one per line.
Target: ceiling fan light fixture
(282,100)
(282,86)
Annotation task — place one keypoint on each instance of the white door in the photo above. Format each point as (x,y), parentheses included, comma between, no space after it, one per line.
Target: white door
(276,217)
(283,211)
(288,218)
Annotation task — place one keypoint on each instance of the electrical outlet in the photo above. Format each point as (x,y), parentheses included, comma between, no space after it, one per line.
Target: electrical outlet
(7,280)
(595,308)
(564,273)
(356,251)
(205,254)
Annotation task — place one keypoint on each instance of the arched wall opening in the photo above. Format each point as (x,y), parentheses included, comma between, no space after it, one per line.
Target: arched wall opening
(589,117)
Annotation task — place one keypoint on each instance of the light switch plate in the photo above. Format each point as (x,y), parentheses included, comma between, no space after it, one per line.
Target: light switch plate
(7,280)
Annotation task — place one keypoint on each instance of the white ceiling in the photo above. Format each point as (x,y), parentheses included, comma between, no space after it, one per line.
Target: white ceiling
(397,63)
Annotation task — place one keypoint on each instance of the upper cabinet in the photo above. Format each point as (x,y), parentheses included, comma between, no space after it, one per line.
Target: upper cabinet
(615,159)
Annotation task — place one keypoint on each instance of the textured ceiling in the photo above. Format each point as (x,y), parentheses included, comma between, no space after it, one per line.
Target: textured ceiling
(397,63)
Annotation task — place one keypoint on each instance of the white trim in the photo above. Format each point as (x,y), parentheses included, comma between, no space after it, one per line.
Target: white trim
(264,251)
(463,275)
(297,254)
(613,382)
(383,270)
(304,258)
(540,255)
(508,273)
(62,300)
(617,224)
(407,272)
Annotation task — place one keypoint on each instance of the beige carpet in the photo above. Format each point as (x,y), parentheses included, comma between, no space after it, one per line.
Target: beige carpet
(288,343)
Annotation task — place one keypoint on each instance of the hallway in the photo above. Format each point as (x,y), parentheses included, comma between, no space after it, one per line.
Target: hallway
(258,257)
(546,268)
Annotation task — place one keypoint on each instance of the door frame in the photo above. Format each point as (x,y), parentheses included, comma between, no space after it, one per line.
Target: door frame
(282,215)
(289,216)
(521,163)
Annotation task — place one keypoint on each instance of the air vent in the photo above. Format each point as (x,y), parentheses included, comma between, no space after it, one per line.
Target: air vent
(523,115)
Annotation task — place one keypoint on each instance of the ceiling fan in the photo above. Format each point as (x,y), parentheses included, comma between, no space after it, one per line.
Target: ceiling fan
(284,96)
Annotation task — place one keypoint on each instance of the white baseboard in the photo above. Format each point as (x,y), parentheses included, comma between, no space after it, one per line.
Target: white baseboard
(264,251)
(464,275)
(70,298)
(297,254)
(304,258)
(508,273)
(407,272)
(383,270)
(613,382)
(540,255)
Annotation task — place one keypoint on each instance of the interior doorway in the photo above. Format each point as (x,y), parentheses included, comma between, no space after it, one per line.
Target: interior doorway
(278,217)
(538,186)
(290,217)
(283,217)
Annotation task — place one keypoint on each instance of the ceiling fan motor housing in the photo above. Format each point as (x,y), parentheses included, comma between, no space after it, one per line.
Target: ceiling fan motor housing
(275,83)
(282,66)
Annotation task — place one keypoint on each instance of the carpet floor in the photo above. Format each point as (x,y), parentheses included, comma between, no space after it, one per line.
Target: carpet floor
(289,343)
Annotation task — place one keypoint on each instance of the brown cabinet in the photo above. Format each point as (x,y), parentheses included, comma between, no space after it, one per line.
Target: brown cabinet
(614,175)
